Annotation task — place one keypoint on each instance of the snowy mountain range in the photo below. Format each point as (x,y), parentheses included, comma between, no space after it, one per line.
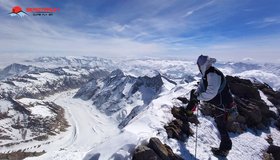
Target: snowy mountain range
(95,108)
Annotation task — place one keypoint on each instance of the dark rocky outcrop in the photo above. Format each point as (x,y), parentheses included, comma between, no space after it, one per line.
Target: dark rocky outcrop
(179,128)
(249,103)
(143,152)
(243,88)
(155,150)
(19,155)
(275,151)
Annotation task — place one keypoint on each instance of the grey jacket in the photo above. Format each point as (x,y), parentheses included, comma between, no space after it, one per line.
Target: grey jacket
(213,79)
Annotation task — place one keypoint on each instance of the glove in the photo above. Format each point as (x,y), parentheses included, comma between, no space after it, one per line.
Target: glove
(232,114)
(194,96)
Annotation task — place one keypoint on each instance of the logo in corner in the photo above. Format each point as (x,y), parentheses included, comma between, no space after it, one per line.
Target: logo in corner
(17,11)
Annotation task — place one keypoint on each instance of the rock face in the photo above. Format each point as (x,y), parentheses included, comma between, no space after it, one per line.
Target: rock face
(249,102)
(248,99)
(179,128)
(155,150)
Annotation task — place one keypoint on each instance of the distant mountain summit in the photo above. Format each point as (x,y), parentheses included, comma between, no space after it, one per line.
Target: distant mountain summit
(15,69)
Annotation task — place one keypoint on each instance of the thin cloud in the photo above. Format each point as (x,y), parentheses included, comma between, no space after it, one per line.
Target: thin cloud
(41,41)
(265,22)
(197,8)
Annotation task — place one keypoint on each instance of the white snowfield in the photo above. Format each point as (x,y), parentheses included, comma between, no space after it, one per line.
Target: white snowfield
(93,135)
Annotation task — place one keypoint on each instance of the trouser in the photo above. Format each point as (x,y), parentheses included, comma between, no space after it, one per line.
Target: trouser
(221,122)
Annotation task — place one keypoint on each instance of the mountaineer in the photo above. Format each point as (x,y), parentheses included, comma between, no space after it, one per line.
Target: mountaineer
(213,89)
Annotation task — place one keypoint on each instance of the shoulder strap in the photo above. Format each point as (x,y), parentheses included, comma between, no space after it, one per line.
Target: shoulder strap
(214,70)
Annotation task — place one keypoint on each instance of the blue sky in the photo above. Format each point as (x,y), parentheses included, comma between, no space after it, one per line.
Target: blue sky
(225,29)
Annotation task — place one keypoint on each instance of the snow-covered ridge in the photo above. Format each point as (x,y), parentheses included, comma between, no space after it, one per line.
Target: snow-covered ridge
(118,94)
(77,62)
(41,82)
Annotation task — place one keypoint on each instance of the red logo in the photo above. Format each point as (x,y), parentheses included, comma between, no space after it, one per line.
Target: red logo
(17,11)
(42,11)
